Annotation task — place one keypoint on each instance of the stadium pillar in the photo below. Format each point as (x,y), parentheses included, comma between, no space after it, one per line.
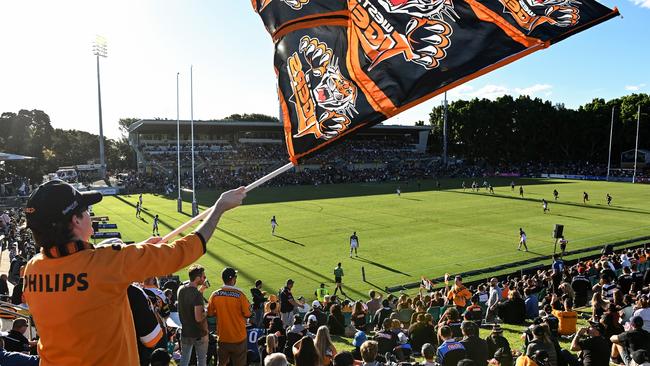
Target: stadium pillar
(100,49)
(636,146)
(178,148)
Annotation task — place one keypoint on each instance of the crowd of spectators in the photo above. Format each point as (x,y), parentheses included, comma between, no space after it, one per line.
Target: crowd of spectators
(12,184)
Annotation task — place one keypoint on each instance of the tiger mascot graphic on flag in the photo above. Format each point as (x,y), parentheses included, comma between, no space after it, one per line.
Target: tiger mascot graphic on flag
(423,39)
(530,14)
(323,87)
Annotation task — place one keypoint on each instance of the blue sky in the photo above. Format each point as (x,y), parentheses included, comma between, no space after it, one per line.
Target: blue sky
(47,61)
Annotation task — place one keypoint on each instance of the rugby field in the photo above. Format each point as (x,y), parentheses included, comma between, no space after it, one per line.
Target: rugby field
(425,231)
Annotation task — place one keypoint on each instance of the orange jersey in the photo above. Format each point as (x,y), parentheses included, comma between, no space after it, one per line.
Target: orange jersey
(459,295)
(79,302)
(567,321)
(231,307)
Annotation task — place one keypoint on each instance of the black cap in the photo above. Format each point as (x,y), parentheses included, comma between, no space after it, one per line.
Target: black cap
(55,201)
(228,273)
(598,326)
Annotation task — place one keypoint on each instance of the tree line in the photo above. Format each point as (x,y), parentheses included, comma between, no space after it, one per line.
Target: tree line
(522,129)
(30,133)
(508,129)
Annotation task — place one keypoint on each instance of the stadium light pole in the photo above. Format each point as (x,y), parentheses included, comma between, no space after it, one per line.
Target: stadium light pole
(636,146)
(611,131)
(100,49)
(195,208)
(178,146)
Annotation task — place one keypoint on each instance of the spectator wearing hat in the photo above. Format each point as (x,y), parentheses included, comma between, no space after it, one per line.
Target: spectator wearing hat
(70,282)
(258,303)
(287,303)
(231,307)
(476,349)
(590,341)
(496,341)
(458,294)
(629,341)
(317,311)
(191,310)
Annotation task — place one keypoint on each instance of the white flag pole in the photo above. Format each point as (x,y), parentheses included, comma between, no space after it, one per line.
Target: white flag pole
(205,213)
(636,146)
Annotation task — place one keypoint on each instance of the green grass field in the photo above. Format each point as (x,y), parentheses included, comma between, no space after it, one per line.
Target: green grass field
(426,232)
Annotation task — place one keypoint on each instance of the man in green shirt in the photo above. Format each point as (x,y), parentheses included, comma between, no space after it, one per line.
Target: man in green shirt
(338,279)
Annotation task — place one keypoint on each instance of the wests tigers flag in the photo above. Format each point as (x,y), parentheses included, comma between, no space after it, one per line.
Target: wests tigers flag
(344,65)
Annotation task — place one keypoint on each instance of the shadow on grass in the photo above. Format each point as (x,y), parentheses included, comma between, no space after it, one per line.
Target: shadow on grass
(574,204)
(382,266)
(343,190)
(289,240)
(411,199)
(304,268)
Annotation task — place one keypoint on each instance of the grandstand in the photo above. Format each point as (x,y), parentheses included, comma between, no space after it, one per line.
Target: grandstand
(230,145)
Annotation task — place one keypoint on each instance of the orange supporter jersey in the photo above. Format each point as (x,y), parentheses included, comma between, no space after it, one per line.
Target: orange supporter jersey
(231,307)
(567,321)
(459,295)
(79,301)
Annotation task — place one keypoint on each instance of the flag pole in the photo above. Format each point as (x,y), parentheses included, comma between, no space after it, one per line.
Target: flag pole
(636,147)
(611,130)
(205,213)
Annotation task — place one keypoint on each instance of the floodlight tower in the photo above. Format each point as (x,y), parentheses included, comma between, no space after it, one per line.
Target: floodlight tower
(100,49)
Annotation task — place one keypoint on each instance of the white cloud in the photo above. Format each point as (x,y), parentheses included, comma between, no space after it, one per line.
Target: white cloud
(533,89)
(635,87)
(492,91)
(642,3)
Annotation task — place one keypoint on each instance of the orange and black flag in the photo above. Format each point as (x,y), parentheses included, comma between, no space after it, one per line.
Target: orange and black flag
(343,65)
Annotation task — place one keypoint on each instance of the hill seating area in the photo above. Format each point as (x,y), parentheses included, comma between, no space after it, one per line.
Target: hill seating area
(610,291)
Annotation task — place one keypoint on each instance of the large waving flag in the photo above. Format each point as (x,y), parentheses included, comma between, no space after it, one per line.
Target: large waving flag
(343,65)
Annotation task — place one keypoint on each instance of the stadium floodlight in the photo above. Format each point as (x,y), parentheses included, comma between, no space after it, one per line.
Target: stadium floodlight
(195,207)
(178,147)
(100,49)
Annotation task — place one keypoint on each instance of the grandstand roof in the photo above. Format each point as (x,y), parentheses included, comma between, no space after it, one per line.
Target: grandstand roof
(156,125)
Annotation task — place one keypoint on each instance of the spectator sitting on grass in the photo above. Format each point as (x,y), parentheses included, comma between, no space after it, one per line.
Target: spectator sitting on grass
(317,311)
(496,341)
(567,318)
(451,318)
(450,351)
(336,321)
(422,332)
(513,310)
(476,348)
